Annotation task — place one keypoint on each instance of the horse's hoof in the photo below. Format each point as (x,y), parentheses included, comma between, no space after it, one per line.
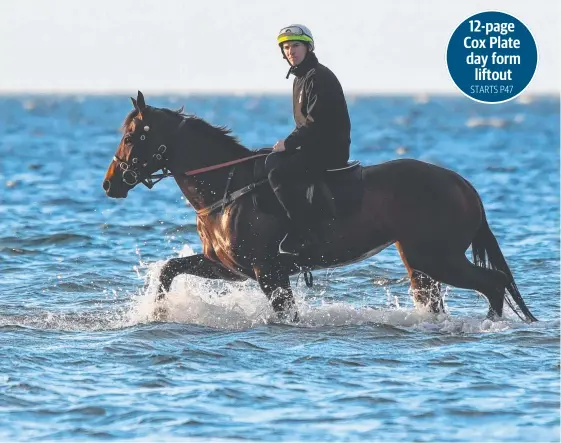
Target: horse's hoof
(493,316)
(160,313)
(289,316)
(296,318)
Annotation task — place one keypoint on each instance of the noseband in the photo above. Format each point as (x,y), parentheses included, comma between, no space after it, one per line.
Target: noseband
(133,173)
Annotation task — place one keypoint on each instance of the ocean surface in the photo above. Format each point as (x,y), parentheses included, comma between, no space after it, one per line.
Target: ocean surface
(82,356)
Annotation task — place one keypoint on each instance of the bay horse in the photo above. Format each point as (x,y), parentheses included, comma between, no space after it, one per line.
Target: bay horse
(430,213)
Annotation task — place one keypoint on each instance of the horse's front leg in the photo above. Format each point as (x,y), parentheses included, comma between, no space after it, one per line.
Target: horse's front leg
(197,265)
(275,283)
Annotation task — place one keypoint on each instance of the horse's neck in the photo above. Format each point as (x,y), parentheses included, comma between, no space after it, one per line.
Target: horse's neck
(206,188)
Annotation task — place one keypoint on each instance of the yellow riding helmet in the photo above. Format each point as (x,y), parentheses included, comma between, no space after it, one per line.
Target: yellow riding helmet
(296,33)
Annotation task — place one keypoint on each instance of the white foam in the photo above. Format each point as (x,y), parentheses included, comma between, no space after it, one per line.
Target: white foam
(200,301)
(233,306)
(227,305)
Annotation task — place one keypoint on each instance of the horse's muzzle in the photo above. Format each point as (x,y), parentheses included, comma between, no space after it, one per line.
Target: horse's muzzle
(115,191)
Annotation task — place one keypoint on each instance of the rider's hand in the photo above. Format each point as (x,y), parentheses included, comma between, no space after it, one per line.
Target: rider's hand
(279,146)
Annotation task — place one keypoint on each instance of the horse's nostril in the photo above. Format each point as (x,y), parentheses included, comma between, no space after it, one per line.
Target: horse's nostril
(106,185)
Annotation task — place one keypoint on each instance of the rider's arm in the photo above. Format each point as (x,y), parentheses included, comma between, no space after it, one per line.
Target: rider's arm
(306,133)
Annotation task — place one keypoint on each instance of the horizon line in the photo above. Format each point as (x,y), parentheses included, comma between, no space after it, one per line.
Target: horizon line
(182,92)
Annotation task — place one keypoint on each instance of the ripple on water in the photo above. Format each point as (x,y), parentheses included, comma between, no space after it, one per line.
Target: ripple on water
(87,356)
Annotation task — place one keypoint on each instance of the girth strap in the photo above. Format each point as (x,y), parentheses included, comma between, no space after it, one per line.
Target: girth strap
(229,198)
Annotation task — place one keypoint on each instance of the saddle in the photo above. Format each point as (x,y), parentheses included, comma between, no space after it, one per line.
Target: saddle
(337,193)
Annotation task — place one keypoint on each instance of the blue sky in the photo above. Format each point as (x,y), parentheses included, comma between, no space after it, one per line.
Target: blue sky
(221,46)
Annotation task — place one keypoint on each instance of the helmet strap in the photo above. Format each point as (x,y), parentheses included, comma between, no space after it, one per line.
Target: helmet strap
(289,71)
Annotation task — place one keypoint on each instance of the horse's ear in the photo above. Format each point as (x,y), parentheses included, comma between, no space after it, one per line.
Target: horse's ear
(140,101)
(134,103)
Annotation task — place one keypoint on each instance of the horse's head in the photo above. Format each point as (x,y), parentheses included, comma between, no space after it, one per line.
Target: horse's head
(141,152)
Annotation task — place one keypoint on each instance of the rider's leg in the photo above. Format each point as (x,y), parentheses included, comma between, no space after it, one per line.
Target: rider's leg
(284,172)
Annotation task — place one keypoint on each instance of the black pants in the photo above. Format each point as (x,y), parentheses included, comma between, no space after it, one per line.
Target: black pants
(285,171)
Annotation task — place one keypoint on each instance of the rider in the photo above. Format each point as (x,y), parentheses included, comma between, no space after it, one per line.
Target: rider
(320,141)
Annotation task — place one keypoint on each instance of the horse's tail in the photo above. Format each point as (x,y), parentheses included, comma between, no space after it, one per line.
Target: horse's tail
(487,254)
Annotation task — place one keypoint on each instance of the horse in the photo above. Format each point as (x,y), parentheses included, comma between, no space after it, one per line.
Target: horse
(431,214)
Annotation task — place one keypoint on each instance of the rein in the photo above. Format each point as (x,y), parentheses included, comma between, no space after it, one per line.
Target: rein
(228,197)
(133,175)
(149,183)
(222,165)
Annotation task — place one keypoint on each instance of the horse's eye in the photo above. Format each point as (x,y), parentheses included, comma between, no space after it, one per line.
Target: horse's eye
(128,139)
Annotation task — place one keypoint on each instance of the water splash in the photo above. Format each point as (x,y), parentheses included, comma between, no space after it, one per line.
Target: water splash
(228,305)
(237,306)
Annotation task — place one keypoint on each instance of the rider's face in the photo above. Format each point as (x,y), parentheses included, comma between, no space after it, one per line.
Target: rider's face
(295,51)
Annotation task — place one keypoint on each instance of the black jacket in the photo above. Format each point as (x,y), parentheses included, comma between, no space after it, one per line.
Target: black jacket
(323,127)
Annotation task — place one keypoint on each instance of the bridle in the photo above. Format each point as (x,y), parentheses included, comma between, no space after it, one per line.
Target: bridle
(132,173)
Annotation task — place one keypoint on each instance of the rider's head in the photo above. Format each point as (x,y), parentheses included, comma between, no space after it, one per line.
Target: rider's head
(295,41)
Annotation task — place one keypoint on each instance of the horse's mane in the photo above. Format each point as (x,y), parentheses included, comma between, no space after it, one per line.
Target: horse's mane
(220,134)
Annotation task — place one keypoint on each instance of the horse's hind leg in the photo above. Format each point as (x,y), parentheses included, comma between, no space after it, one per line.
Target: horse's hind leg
(456,270)
(491,283)
(426,291)
(197,265)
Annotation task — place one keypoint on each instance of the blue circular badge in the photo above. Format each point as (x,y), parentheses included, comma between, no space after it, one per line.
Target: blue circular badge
(492,56)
